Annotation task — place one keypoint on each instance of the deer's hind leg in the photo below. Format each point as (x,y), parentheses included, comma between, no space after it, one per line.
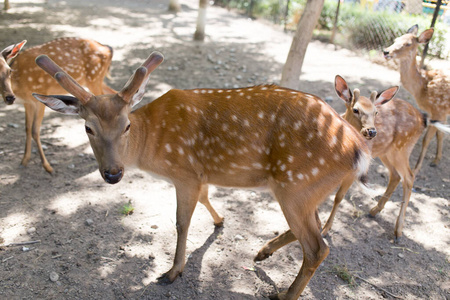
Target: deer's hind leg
(203,199)
(280,241)
(431,131)
(299,207)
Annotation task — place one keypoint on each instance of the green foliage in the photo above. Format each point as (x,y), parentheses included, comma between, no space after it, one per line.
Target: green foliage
(344,273)
(358,27)
(127,209)
(371,30)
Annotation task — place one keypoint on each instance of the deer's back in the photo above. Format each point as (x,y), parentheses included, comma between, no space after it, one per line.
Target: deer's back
(85,60)
(399,126)
(243,137)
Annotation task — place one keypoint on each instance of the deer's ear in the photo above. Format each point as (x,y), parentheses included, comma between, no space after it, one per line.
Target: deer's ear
(11,51)
(414,29)
(64,104)
(342,90)
(426,36)
(386,96)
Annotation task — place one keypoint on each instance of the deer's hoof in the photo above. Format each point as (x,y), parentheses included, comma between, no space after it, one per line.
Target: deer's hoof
(220,223)
(262,255)
(278,296)
(164,279)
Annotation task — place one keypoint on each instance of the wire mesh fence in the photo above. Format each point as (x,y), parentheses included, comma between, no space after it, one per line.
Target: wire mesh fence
(361,24)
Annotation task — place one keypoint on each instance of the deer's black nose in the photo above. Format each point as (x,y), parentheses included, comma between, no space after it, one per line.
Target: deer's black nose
(372,132)
(113,178)
(10,99)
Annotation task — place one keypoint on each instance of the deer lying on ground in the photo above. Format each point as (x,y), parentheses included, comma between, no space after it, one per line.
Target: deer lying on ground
(397,127)
(430,89)
(86,60)
(264,136)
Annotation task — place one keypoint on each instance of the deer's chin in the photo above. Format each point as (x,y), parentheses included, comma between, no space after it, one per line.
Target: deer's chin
(388,57)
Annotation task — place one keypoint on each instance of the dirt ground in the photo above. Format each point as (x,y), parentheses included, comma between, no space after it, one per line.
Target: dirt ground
(89,249)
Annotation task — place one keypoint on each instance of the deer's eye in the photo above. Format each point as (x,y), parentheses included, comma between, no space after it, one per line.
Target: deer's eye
(128,128)
(88,130)
(355,111)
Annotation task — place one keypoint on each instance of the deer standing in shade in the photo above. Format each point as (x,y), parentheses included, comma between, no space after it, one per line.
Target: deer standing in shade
(391,128)
(86,60)
(290,142)
(430,89)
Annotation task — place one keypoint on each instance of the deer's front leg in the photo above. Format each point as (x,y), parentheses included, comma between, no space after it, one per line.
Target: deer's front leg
(187,197)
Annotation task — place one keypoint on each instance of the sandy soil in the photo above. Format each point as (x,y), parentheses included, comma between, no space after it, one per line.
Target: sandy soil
(99,253)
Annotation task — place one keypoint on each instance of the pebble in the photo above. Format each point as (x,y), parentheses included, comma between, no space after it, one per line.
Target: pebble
(89,222)
(71,166)
(54,276)
(154,226)
(31,230)
(238,237)
(401,255)
(13,125)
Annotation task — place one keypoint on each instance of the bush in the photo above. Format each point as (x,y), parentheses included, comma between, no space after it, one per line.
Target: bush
(375,30)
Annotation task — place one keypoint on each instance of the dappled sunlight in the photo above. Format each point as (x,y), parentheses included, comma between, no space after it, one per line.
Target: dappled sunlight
(427,223)
(66,205)
(13,227)
(106,270)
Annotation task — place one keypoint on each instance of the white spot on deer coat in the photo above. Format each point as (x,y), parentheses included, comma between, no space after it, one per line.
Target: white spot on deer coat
(168,148)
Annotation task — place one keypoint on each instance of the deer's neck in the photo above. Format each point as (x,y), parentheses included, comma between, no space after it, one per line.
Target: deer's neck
(350,118)
(411,78)
(142,139)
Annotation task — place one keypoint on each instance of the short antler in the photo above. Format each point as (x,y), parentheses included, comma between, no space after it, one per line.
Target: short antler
(134,89)
(373,96)
(64,79)
(356,94)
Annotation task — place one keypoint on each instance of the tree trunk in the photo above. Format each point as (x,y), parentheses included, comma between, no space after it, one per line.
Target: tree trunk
(290,77)
(199,34)
(6,6)
(174,6)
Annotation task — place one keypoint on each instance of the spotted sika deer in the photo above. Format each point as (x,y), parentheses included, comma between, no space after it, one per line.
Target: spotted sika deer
(86,60)
(430,89)
(391,136)
(264,136)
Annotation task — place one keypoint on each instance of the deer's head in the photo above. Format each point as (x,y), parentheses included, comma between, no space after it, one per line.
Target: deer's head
(361,111)
(107,124)
(406,45)
(5,71)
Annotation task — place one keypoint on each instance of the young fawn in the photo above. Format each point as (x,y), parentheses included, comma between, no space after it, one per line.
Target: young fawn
(86,60)
(429,88)
(391,128)
(264,136)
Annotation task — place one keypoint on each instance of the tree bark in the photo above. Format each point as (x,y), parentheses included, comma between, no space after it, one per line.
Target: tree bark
(290,76)
(6,6)
(199,34)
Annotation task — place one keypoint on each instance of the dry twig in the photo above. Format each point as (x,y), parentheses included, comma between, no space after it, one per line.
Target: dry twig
(374,285)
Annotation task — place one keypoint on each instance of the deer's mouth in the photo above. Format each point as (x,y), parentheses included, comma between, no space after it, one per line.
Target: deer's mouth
(387,55)
(112,177)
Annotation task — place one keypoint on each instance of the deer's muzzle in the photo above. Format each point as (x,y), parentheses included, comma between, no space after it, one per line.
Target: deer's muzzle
(10,99)
(113,176)
(369,133)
